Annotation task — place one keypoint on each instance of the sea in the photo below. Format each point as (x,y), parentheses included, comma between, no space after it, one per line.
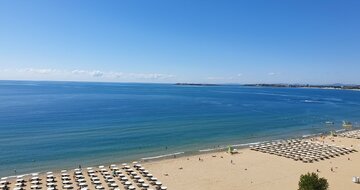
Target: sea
(48,126)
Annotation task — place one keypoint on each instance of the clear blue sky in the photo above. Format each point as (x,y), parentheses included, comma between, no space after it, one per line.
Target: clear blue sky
(223,41)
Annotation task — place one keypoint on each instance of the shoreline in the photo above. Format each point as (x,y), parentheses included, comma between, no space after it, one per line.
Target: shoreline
(176,155)
(243,166)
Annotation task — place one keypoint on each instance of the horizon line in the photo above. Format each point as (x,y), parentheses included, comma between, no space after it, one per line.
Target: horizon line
(241,84)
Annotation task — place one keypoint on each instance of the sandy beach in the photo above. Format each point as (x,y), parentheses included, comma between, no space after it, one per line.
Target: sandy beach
(253,170)
(249,169)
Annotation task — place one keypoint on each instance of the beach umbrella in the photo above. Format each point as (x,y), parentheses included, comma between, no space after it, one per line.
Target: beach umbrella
(108,177)
(111,180)
(50,180)
(99,187)
(131,187)
(82,184)
(89,168)
(154,179)
(163,188)
(50,184)
(79,176)
(114,185)
(133,173)
(137,177)
(34,186)
(35,182)
(50,176)
(63,171)
(138,166)
(158,183)
(101,167)
(35,174)
(127,183)
(115,168)
(81,180)
(145,185)
(67,186)
(20,180)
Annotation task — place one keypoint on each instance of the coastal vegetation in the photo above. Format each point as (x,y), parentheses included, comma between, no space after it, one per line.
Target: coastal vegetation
(311,181)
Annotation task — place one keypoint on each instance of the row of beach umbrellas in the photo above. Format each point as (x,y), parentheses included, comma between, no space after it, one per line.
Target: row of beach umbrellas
(302,150)
(351,134)
(131,177)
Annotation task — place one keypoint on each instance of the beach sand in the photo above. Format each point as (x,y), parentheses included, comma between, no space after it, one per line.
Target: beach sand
(252,170)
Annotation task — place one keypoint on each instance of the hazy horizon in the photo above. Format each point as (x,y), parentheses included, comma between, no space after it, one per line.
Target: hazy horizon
(246,42)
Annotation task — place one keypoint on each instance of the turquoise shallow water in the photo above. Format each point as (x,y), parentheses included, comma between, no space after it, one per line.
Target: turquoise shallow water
(54,125)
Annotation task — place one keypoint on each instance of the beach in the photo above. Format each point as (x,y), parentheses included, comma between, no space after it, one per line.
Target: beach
(253,170)
(248,169)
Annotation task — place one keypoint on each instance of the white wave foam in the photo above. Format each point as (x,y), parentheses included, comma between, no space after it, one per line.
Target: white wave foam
(212,149)
(340,130)
(162,156)
(234,145)
(312,135)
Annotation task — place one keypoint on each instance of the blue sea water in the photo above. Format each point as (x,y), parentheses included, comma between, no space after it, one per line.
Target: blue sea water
(54,125)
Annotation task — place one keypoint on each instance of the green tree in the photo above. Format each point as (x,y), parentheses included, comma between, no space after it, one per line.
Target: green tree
(311,181)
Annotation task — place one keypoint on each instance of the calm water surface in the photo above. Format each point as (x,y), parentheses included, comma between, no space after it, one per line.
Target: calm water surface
(54,125)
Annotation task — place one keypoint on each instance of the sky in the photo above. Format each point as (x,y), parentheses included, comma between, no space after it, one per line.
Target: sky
(166,41)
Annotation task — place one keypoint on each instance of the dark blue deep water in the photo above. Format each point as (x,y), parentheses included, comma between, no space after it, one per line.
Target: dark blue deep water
(55,125)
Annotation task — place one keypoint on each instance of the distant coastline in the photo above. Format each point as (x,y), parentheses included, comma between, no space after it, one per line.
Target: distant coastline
(195,84)
(336,87)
